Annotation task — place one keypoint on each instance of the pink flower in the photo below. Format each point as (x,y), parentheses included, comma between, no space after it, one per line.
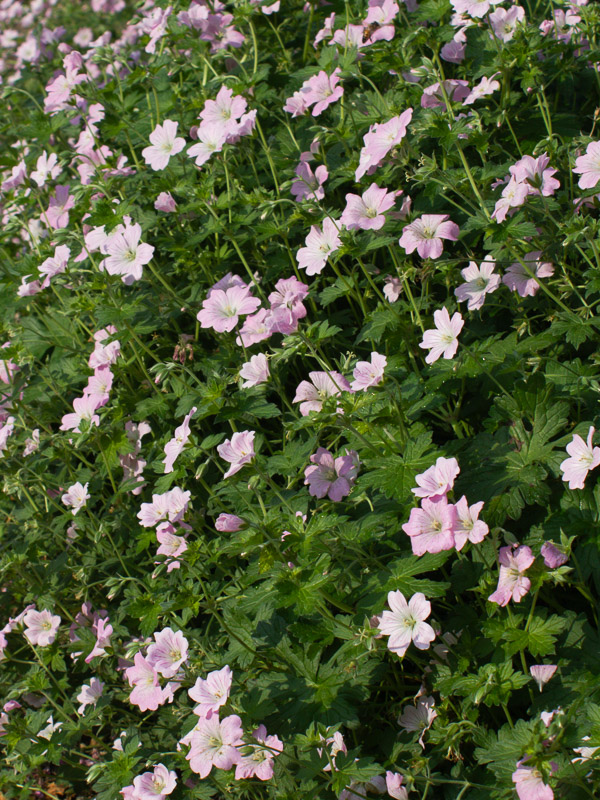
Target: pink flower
(76,497)
(224,111)
(518,279)
(319,245)
(172,504)
(155,785)
(529,783)
(419,718)
(146,693)
(310,185)
(443,339)
(582,458)
(84,408)
(587,166)
(323,385)
(212,693)
(534,172)
(171,545)
(513,196)
(475,8)
(212,137)
(215,743)
(453,51)
(484,87)
(329,476)
(57,215)
(322,90)
(504,23)
(103,630)
(41,627)
(89,694)
(297,104)
(229,523)
(286,305)
(367,212)
(54,265)
(367,374)
(165,202)
(431,527)
(438,480)
(392,289)
(237,451)
(433,96)
(257,761)
(480,280)
(405,623)
(542,673)
(46,166)
(381,138)
(126,255)
(99,385)
(466,526)
(393,782)
(255,328)
(425,235)
(255,371)
(553,557)
(512,583)
(168,652)
(164,143)
(222,309)
(175,446)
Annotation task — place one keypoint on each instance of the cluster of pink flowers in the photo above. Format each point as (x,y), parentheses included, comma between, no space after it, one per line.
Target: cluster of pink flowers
(170,505)
(97,392)
(311,394)
(164,658)
(320,91)
(219,743)
(329,476)
(99,624)
(215,26)
(230,298)
(437,524)
(165,512)
(223,120)
(60,88)
(529,176)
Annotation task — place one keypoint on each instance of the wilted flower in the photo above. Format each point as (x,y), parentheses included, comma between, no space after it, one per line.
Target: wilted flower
(541,673)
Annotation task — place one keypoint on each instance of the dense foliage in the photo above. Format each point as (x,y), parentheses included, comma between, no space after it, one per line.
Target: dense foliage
(297,401)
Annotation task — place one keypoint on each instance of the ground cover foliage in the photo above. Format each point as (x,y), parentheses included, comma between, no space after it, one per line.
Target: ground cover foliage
(298,311)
